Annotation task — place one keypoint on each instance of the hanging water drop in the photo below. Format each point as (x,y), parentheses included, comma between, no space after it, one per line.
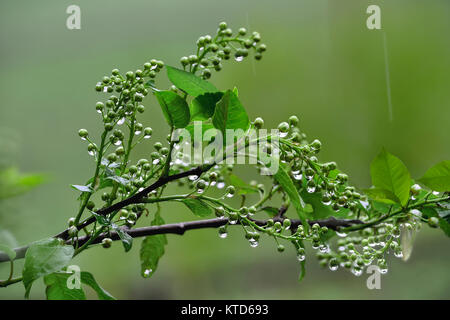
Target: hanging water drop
(147,273)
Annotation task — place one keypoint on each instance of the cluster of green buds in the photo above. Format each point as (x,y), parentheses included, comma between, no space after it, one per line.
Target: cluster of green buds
(212,51)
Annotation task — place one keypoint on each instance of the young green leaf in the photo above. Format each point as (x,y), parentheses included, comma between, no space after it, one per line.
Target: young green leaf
(152,249)
(13,183)
(102,220)
(438,177)
(288,186)
(42,258)
(57,288)
(188,82)
(230,114)
(315,209)
(202,107)
(389,173)
(88,279)
(82,188)
(198,207)
(382,195)
(242,186)
(271,211)
(127,240)
(174,107)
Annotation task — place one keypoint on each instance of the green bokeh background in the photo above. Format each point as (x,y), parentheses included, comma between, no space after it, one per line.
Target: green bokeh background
(322,64)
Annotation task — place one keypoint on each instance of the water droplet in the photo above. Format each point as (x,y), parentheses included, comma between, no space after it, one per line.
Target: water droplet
(398,253)
(357,271)
(298,176)
(121,121)
(341,234)
(333,265)
(253,243)
(200,190)
(239,58)
(137,132)
(117,142)
(148,136)
(147,273)
(220,185)
(230,195)
(324,248)
(99,111)
(223,234)
(156,161)
(91,153)
(301,257)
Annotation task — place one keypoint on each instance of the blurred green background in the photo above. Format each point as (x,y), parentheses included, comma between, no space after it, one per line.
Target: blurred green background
(322,64)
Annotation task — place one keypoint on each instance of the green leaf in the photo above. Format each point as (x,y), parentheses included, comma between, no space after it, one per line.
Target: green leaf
(174,107)
(319,210)
(382,195)
(188,82)
(42,258)
(241,185)
(202,107)
(13,183)
(389,173)
(88,279)
(119,180)
(9,251)
(152,250)
(198,207)
(271,211)
(438,177)
(102,220)
(288,186)
(203,128)
(82,188)
(127,240)
(230,114)
(57,288)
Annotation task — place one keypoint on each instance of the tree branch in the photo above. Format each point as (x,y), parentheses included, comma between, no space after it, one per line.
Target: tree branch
(182,227)
(136,198)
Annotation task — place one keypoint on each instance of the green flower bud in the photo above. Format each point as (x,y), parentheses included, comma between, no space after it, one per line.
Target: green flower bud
(71,221)
(258,123)
(106,243)
(223,25)
(140,108)
(433,222)
(73,231)
(83,133)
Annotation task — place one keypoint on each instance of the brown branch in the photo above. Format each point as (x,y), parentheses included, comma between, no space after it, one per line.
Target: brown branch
(136,198)
(182,227)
